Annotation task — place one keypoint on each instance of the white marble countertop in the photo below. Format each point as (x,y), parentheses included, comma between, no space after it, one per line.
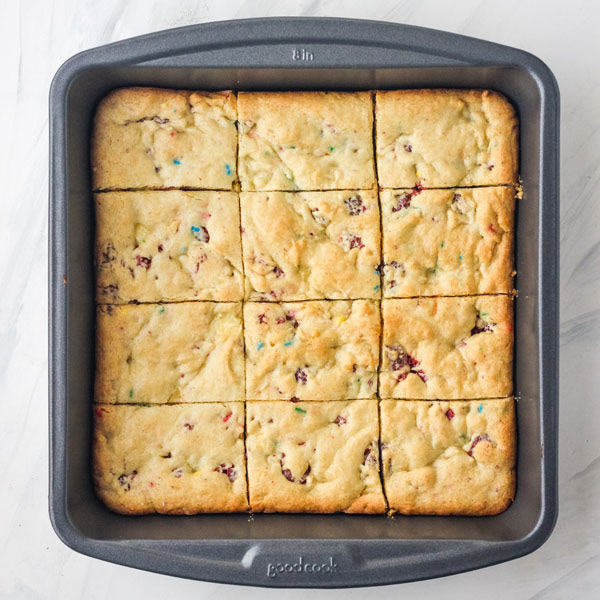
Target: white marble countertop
(36,36)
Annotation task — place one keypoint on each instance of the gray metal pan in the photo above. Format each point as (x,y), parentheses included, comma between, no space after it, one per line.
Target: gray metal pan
(302,550)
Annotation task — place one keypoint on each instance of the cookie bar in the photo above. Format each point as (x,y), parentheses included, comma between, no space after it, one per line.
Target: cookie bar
(305,141)
(181,459)
(445,138)
(157,354)
(310,245)
(168,246)
(148,137)
(314,457)
(447,242)
(446,348)
(316,350)
(448,458)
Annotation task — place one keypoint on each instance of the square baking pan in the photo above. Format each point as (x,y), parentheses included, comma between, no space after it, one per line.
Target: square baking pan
(302,550)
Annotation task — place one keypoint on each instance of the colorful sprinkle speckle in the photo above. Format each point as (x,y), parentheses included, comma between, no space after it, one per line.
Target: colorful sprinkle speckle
(480,408)
(289,343)
(376,288)
(183,249)
(442,245)
(260,345)
(176,161)
(300,410)
(228,169)
(331,148)
(460,257)
(161,310)
(131,393)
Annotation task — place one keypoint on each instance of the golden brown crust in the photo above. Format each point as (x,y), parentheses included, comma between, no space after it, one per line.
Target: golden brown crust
(182,459)
(314,457)
(150,137)
(446,348)
(313,260)
(449,458)
(447,242)
(445,138)
(319,350)
(168,246)
(306,140)
(310,245)
(157,354)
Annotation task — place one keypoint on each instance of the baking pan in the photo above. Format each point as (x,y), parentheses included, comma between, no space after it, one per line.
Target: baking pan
(301,550)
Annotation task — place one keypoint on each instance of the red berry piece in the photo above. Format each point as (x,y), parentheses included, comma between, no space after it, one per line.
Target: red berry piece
(143,261)
(301,376)
(403,200)
(350,241)
(230,471)
(201,233)
(450,414)
(479,438)
(339,420)
(355,205)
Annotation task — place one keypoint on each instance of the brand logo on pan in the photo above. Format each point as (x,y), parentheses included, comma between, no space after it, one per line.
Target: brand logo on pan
(276,569)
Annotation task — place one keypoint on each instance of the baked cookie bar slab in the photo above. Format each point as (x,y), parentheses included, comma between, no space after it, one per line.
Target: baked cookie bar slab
(158,354)
(447,242)
(310,245)
(168,246)
(305,141)
(448,458)
(445,138)
(182,459)
(316,350)
(314,457)
(148,137)
(446,348)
